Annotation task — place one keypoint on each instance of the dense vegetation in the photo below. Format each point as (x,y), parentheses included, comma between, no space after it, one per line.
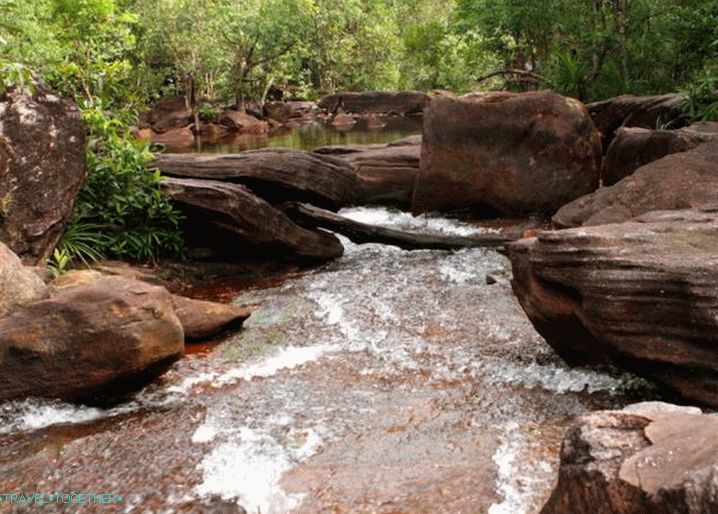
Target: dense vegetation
(115,56)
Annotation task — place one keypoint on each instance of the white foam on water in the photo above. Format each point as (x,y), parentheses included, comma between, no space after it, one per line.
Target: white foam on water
(520,479)
(35,414)
(249,468)
(553,377)
(289,357)
(405,221)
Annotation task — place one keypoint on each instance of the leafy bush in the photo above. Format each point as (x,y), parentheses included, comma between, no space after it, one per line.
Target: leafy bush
(120,210)
(701,102)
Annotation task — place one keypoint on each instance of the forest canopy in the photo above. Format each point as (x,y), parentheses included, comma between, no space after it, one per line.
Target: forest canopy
(132,51)
(114,57)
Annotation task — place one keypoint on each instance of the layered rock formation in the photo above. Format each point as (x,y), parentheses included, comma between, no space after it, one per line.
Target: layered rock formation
(229,218)
(635,147)
(649,112)
(276,174)
(42,167)
(385,174)
(642,295)
(649,457)
(511,153)
(678,181)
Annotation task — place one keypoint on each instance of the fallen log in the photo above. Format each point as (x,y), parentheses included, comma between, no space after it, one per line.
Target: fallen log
(313,217)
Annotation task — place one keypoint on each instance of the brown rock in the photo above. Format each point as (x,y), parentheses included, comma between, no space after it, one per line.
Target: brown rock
(380,102)
(634,147)
(232,220)
(202,320)
(651,112)
(678,181)
(651,457)
(513,153)
(642,295)
(19,285)
(385,173)
(169,113)
(174,138)
(275,174)
(343,120)
(88,338)
(280,111)
(42,167)
(244,123)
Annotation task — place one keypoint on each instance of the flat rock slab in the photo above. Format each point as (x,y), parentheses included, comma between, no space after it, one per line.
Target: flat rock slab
(88,338)
(511,153)
(236,218)
(678,181)
(276,174)
(42,167)
(642,295)
(656,458)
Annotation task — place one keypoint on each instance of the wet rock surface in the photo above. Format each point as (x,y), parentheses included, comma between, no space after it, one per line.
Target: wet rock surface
(679,181)
(19,285)
(383,382)
(231,221)
(87,338)
(511,153)
(168,113)
(277,174)
(42,166)
(648,457)
(642,294)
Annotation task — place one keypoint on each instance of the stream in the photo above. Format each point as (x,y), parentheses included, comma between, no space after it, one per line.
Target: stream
(384,382)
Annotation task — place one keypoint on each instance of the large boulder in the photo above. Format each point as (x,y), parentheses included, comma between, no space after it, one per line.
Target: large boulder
(677,181)
(649,457)
(276,174)
(386,174)
(379,102)
(243,122)
(42,166)
(19,285)
(87,339)
(642,295)
(233,222)
(634,147)
(169,113)
(512,153)
(651,112)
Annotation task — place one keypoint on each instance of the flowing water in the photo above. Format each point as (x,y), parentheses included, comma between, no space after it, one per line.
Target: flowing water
(384,382)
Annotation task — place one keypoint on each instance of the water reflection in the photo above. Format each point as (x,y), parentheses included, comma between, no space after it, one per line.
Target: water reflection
(312,135)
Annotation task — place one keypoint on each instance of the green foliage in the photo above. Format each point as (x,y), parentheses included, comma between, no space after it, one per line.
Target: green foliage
(120,210)
(59,262)
(701,102)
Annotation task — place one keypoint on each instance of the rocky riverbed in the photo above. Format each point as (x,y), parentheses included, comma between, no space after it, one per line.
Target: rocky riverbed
(385,381)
